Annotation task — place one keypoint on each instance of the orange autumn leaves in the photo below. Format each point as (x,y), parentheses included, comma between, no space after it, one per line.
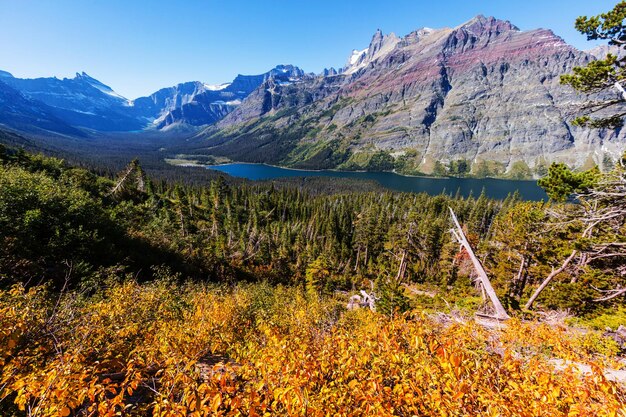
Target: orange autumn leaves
(165,349)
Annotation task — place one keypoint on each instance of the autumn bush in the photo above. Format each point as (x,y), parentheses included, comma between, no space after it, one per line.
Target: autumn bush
(170,349)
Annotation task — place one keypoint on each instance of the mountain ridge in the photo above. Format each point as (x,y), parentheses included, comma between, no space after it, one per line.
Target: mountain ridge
(86,103)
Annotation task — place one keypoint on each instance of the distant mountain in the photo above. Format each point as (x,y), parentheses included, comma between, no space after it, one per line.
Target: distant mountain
(81,101)
(195,103)
(484,92)
(84,102)
(26,115)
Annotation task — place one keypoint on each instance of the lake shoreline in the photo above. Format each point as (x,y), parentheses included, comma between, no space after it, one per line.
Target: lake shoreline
(430,177)
(495,188)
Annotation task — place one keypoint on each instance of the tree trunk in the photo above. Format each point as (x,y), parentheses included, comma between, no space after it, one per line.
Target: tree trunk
(366,257)
(182,222)
(518,281)
(482,275)
(546,281)
(581,264)
(402,267)
(122,180)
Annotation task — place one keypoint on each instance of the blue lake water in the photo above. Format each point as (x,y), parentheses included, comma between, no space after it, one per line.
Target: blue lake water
(494,188)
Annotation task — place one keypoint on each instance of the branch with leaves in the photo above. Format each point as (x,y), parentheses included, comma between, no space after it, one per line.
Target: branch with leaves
(604,75)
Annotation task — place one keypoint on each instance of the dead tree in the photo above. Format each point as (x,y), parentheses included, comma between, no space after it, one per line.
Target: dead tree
(134,173)
(610,294)
(364,300)
(500,312)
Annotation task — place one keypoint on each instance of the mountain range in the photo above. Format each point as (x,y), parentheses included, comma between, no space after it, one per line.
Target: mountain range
(85,103)
(483,93)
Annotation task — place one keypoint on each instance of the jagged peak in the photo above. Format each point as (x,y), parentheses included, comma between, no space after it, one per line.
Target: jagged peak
(379,46)
(288,68)
(83,76)
(327,72)
(482,24)
(378,35)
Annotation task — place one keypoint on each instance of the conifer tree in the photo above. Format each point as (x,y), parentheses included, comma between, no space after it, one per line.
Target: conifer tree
(605,75)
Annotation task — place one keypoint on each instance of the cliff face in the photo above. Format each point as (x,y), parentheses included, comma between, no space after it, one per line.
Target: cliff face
(484,92)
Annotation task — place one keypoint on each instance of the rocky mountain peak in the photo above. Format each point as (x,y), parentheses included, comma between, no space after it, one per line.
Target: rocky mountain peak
(288,70)
(601,51)
(480,32)
(380,41)
(85,78)
(327,72)
(482,25)
(377,37)
(379,46)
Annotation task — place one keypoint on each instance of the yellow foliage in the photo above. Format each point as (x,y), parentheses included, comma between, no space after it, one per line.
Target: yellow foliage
(167,350)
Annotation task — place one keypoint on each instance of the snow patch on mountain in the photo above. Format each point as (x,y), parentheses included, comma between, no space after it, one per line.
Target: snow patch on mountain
(227,103)
(356,54)
(380,46)
(112,93)
(216,87)
(103,88)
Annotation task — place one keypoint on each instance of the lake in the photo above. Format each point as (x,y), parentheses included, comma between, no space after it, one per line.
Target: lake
(494,188)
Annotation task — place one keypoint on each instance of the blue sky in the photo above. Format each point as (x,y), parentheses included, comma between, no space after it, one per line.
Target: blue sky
(139,46)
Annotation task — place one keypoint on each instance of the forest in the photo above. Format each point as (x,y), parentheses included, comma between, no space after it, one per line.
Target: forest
(125,294)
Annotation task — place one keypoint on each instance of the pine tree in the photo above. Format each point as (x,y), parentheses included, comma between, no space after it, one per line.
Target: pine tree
(391,299)
(603,75)
(317,274)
